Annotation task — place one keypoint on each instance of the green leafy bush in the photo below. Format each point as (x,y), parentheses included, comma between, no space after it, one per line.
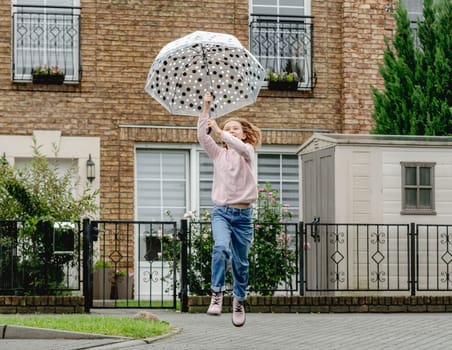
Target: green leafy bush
(272,258)
(38,197)
(200,254)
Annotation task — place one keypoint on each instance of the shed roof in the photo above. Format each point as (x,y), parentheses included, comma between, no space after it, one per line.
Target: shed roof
(320,141)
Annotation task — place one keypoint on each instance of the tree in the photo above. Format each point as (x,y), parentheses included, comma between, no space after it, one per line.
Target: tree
(417,78)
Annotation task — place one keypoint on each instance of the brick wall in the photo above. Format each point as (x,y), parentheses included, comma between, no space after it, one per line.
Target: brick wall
(120,39)
(41,304)
(325,304)
(365,23)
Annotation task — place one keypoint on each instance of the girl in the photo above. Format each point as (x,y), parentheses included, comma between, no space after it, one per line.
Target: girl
(234,190)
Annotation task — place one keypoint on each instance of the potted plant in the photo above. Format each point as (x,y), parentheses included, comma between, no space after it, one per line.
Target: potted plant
(282,81)
(102,278)
(47,75)
(121,285)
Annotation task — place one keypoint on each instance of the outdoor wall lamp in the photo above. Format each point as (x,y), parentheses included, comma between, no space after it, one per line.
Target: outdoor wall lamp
(90,169)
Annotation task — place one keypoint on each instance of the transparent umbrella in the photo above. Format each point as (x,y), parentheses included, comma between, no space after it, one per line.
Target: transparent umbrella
(204,61)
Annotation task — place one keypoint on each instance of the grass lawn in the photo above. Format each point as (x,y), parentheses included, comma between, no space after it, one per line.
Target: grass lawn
(137,328)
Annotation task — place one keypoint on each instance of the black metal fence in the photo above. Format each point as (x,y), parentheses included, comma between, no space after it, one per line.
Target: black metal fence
(148,264)
(357,257)
(274,258)
(39,260)
(130,264)
(434,257)
(376,257)
(151,264)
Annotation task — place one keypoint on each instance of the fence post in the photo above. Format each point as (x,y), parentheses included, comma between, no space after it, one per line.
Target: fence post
(413,258)
(183,236)
(301,257)
(87,265)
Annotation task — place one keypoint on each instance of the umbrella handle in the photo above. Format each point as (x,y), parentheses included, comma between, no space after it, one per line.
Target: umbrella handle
(207,104)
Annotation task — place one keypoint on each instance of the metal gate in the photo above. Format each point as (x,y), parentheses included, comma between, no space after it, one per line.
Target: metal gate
(130,264)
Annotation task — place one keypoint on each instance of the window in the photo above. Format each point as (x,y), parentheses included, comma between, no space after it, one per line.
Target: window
(46,32)
(418,190)
(161,184)
(281,37)
(414,8)
(205,182)
(415,13)
(281,171)
(163,181)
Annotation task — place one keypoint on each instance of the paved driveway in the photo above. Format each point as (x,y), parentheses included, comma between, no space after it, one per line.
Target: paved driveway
(414,331)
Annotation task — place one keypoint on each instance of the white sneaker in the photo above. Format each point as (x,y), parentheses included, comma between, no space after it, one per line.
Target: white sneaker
(216,304)
(238,313)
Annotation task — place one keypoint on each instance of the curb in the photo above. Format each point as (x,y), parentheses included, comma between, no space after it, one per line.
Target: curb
(127,344)
(22,332)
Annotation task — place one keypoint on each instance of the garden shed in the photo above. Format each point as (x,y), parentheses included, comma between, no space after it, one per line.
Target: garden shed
(360,194)
(376,178)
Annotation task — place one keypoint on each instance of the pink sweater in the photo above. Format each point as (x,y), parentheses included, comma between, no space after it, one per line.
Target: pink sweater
(233,167)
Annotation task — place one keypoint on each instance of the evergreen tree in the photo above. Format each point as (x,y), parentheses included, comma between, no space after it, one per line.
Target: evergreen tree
(417,95)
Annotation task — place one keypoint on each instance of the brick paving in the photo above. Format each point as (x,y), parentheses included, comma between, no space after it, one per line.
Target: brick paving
(373,331)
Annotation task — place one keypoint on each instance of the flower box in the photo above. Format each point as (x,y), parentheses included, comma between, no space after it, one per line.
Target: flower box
(48,78)
(283,85)
(47,75)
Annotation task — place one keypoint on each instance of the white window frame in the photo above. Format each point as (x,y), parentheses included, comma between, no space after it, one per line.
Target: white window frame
(193,154)
(304,62)
(188,173)
(415,9)
(286,151)
(306,6)
(44,60)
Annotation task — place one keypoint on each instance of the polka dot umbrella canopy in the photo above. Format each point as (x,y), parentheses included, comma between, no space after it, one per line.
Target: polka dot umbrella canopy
(204,61)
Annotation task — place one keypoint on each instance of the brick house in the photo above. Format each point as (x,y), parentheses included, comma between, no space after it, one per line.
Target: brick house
(148,161)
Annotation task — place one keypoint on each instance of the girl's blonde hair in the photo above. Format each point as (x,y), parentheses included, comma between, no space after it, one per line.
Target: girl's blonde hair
(252,133)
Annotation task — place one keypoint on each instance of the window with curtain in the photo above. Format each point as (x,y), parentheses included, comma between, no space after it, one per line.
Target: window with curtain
(46,33)
(281,37)
(418,190)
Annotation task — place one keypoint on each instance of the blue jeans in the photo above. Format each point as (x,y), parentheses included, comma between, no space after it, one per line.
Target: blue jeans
(232,230)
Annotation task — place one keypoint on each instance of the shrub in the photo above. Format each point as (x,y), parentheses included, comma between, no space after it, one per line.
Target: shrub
(272,260)
(38,197)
